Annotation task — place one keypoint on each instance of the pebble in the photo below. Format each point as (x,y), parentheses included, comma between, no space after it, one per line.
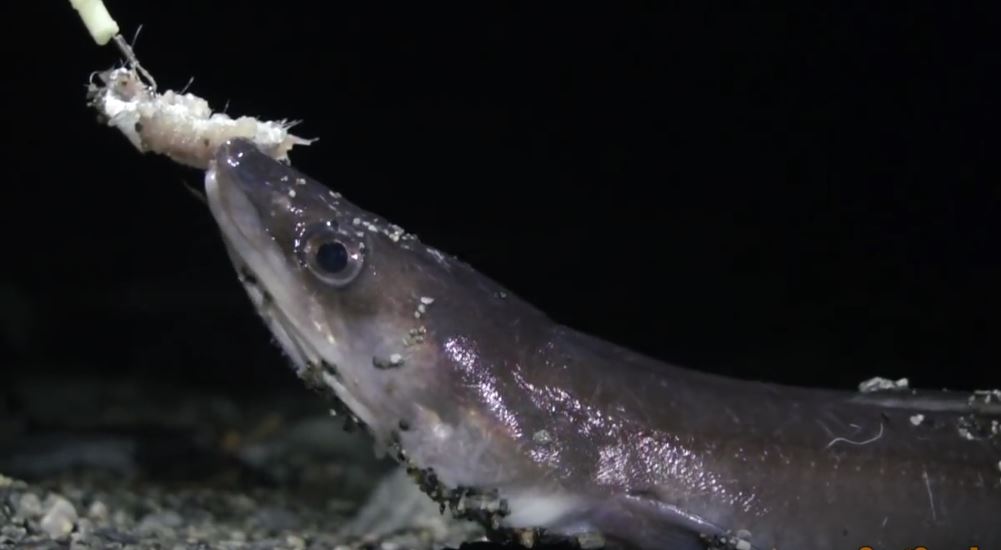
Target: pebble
(160,522)
(29,506)
(394,360)
(743,540)
(84,528)
(120,518)
(12,533)
(59,518)
(97,510)
(590,541)
(542,437)
(526,538)
(274,520)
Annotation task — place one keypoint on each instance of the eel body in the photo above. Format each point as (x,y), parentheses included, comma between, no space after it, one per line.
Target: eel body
(538,430)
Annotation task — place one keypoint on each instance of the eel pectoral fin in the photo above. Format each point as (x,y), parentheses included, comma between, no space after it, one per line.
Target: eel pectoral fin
(656,524)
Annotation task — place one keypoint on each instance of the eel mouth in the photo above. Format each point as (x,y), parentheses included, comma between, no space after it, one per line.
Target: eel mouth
(303,355)
(237,197)
(256,257)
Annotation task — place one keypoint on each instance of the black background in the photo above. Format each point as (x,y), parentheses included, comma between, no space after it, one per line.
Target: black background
(801,192)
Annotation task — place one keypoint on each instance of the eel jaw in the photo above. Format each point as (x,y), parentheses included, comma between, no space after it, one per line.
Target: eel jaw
(260,266)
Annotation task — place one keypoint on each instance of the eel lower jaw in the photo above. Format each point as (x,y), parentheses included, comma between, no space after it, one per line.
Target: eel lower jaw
(270,287)
(307,360)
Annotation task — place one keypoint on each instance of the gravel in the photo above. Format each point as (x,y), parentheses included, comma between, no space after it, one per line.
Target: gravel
(139,467)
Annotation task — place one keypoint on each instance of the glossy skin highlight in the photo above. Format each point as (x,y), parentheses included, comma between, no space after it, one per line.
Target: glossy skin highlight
(579,434)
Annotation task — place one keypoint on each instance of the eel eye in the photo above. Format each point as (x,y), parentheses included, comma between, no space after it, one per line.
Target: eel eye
(331,259)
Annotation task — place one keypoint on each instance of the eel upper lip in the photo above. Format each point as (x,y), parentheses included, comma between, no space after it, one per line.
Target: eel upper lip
(252,172)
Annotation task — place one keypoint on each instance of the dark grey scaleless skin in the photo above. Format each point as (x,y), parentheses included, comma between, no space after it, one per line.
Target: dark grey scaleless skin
(485,397)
